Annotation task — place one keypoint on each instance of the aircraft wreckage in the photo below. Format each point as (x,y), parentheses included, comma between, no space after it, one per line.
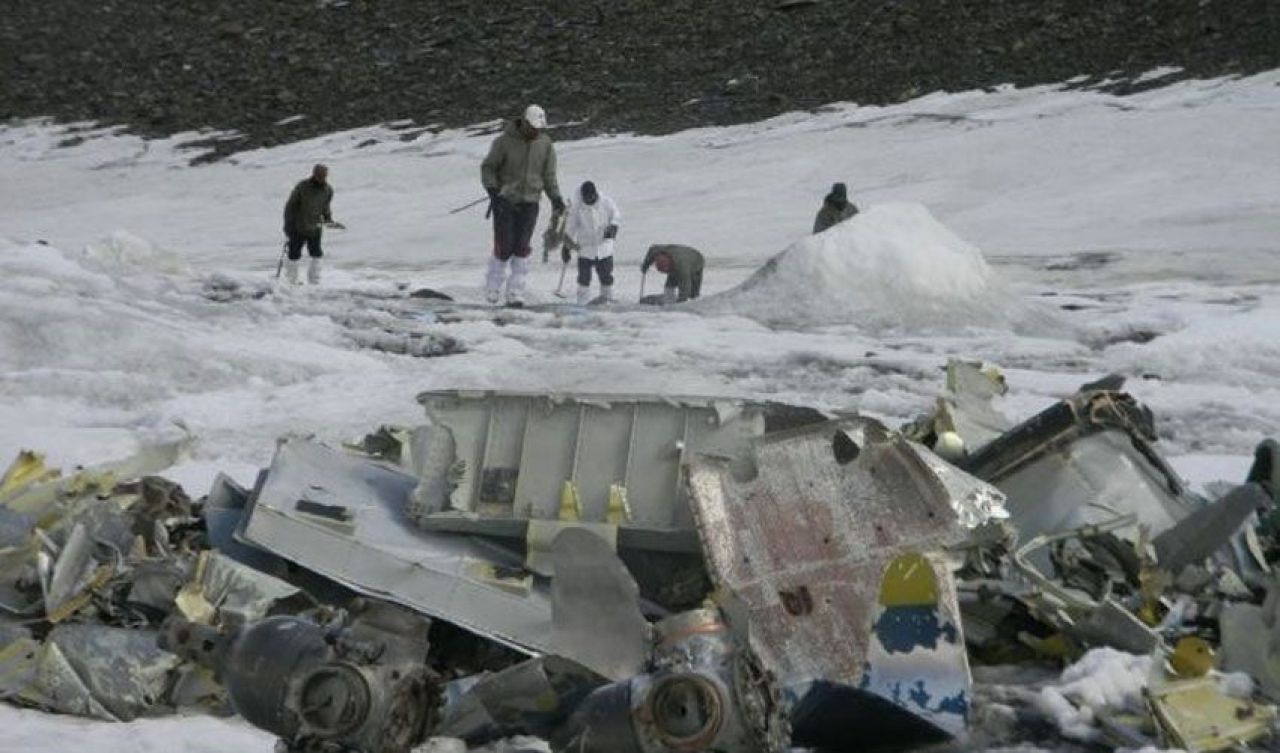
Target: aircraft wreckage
(646,573)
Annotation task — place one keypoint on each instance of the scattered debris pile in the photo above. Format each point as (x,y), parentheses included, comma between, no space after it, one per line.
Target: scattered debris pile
(644,573)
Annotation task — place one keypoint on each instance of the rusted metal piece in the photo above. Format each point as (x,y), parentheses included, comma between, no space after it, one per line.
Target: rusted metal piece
(701,690)
(806,545)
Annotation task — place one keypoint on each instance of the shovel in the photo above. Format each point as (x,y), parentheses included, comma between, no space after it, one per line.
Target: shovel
(564,267)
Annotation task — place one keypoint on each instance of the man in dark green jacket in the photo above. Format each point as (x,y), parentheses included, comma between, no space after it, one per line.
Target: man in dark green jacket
(305,214)
(836,208)
(521,165)
(683,267)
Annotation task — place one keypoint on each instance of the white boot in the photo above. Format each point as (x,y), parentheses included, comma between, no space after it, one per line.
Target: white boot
(313,271)
(515,283)
(606,293)
(291,271)
(584,294)
(493,279)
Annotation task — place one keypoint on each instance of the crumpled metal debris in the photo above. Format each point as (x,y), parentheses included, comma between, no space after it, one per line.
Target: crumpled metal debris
(702,690)
(1196,716)
(835,546)
(342,517)
(361,683)
(1117,550)
(1251,640)
(94,563)
(645,573)
(595,607)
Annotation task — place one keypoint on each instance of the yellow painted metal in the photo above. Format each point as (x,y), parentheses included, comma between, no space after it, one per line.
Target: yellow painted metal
(25,470)
(191,600)
(1196,716)
(570,505)
(1191,657)
(619,511)
(909,582)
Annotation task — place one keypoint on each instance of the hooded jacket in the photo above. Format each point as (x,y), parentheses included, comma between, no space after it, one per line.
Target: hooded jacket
(521,169)
(587,222)
(307,208)
(832,214)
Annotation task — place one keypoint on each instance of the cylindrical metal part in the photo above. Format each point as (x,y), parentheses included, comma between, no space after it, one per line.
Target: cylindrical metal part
(683,712)
(261,661)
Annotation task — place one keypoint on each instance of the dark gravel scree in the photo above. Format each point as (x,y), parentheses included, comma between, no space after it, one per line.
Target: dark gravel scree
(651,66)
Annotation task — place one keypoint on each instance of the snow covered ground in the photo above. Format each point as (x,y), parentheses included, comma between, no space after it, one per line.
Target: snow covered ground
(1080,234)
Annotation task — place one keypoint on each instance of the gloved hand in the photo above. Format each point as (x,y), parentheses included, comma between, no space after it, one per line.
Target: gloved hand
(565,253)
(611,232)
(557,204)
(494,200)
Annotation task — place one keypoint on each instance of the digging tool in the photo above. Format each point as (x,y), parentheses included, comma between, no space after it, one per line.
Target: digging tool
(284,251)
(468,206)
(564,267)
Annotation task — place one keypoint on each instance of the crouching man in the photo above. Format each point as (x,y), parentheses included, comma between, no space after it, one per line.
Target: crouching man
(683,267)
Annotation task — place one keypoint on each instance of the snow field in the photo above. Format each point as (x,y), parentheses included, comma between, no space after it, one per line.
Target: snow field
(1060,234)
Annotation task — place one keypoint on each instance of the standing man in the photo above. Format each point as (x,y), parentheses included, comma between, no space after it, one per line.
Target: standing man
(592,226)
(836,208)
(305,214)
(520,166)
(682,266)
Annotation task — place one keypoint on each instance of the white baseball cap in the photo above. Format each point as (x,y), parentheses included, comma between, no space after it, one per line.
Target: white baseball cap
(535,116)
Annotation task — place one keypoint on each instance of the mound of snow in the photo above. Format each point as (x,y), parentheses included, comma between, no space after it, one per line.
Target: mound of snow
(893,266)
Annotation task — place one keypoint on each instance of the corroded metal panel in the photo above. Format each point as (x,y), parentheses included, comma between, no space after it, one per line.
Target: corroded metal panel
(806,545)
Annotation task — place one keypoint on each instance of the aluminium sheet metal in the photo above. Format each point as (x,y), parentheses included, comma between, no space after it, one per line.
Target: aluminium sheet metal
(596,441)
(343,517)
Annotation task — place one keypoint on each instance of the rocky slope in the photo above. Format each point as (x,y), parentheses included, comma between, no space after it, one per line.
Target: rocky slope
(599,65)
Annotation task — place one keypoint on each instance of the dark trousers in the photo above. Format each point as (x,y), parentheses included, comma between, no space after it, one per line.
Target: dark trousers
(513,228)
(695,284)
(296,240)
(603,267)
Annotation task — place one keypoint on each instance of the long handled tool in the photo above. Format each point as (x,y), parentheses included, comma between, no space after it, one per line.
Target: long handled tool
(468,206)
(284,250)
(564,267)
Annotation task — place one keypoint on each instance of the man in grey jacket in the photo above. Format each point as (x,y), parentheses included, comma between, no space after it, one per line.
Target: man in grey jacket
(683,267)
(521,165)
(305,213)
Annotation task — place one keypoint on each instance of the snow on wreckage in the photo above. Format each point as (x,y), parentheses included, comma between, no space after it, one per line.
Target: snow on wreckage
(671,574)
